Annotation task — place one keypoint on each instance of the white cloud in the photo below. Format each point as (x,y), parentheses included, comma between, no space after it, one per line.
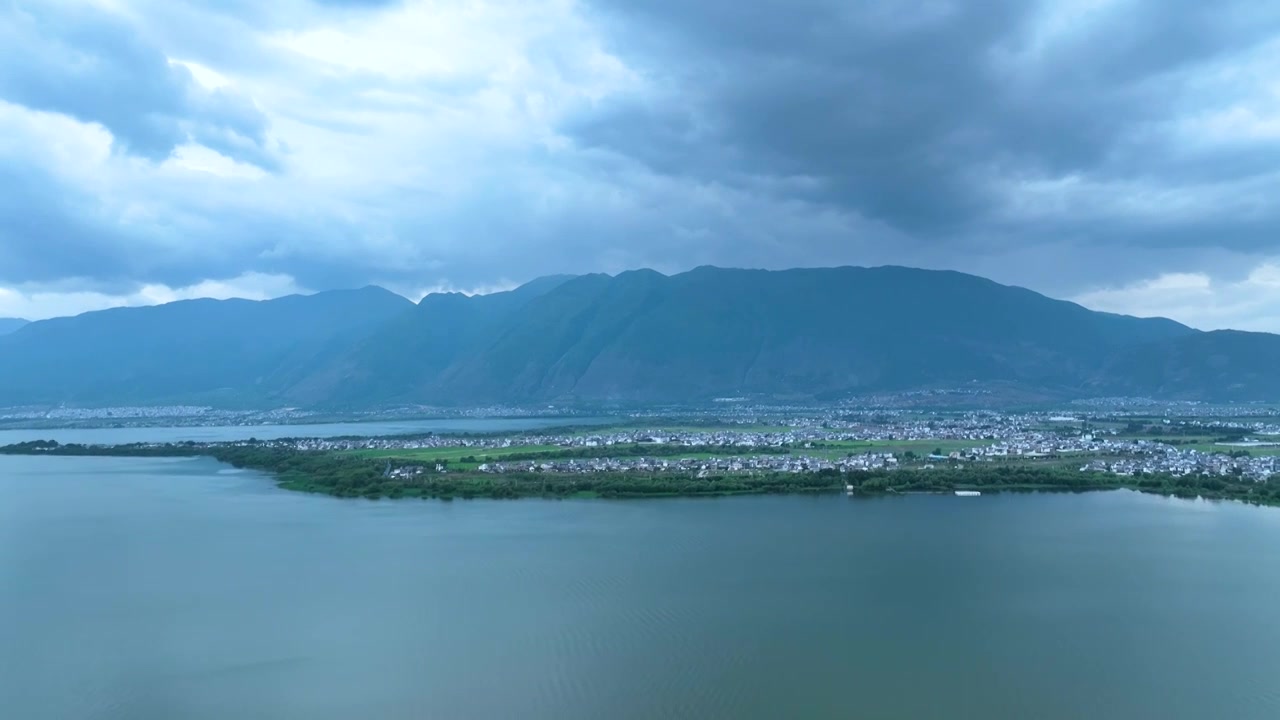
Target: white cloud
(74,150)
(416,294)
(436,40)
(199,158)
(1199,300)
(409,138)
(208,78)
(1239,102)
(39,303)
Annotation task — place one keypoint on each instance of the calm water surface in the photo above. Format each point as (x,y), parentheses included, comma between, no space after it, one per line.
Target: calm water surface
(117,436)
(159,589)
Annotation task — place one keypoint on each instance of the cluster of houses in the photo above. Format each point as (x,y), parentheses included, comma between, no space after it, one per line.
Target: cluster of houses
(1129,457)
(1099,455)
(154,415)
(800,435)
(994,438)
(1180,462)
(701,467)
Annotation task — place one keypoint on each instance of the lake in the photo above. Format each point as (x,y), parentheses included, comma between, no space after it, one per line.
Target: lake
(230,433)
(179,588)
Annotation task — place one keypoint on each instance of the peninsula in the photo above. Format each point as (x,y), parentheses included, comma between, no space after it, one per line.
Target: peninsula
(868,453)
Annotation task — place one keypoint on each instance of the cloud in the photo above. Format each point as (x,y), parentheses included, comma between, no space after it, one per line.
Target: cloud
(357,3)
(1064,145)
(393,177)
(1248,303)
(95,66)
(957,120)
(37,303)
(73,208)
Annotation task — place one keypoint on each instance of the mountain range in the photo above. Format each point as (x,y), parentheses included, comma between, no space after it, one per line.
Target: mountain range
(8,325)
(637,337)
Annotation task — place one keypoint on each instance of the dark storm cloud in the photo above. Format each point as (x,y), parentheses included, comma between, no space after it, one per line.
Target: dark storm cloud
(45,233)
(96,67)
(51,232)
(921,115)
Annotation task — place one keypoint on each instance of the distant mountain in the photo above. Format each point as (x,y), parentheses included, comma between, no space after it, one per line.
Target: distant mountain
(798,333)
(8,325)
(220,351)
(636,337)
(1221,365)
(404,359)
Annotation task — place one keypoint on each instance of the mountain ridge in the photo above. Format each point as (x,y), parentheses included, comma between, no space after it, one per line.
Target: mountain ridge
(635,337)
(9,325)
(773,329)
(201,350)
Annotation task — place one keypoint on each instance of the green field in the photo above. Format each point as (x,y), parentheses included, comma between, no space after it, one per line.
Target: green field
(840,448)
(666,428)
(452,454)
(1211,447)
(828,450)
(1175,439)
(1202,443)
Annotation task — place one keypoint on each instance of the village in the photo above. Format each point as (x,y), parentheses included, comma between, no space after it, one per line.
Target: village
(1123,437)
(876,441)
(1119,458)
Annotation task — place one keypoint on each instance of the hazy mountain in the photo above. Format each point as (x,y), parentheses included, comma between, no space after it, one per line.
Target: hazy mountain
(8,325)
(1222,365)
(639,337)
(195,350)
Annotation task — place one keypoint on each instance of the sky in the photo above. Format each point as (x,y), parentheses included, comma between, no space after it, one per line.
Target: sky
(1124,154)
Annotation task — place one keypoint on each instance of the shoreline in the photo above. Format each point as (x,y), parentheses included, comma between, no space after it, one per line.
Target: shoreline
(350,476)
